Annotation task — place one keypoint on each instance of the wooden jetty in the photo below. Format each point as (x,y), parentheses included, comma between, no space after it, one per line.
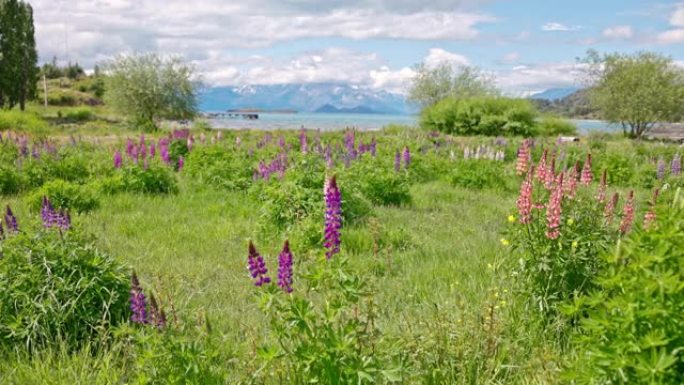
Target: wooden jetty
(231,115)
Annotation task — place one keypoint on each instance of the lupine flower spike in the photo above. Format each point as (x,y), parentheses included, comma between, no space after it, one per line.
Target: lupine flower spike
(257,266)
(524,201)
(333,217)
(285,260)
(397,161)
(676,166)
(628,214)
(137,300)
(553,210)
(541,167)
(550,174)
(601,194)
(11,221)
(650,216)
(610,208)
(406,156)
(117,159)
(586,176)
(570,184)
(523,158)
(660,168)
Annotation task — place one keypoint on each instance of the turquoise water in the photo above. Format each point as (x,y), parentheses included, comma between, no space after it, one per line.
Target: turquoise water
(329,122)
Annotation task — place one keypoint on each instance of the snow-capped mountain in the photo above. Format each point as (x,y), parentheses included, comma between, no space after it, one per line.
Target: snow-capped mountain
(304,98)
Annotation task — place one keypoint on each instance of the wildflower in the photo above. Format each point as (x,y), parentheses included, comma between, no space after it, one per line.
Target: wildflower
(238,141)
(47,212)
(574,244)
(676,166)
(550,174)
(406,156)
(523,158)
(117,159)
(541,167)
(181,163)
(190,142)
(373,146)
(137,300)
(660,168)
(504,241)
(610,208)
(570,185)
(153,149)
(11,221)
(524,201)
(553,210)
(285,268)
(511,219)
(586,176)
(333,217)
(257,266)
(350,144)
(628,214)
(570,222)
(303,145)
(650,216)
(601,194)
(397,161)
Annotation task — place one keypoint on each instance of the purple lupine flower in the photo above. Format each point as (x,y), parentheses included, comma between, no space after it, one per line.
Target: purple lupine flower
(333,217)
(138,303)
(129,148)
(350,144)
(35,152)
(181,163)
(153,150)
(397,161)
(47,212)
(281,141)
(303,142)
(2,231)
(406,156)
(328,157)
(676,166)
(285,268)
(142,150)
(660,168)
(117,159)
(373,146)
(11,221)
(257,266)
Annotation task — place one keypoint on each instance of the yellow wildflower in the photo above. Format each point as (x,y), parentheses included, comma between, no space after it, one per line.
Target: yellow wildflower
(505,242)
(511,218)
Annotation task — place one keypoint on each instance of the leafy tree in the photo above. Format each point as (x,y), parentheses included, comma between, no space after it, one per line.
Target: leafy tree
(636,91)
(432,84)
(147,88)
(18,55)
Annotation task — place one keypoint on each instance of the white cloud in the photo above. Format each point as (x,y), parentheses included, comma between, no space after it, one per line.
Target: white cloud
(677,18)
(511,57)
(618,32)
(675,35)
(525,79)
(437,56)
(559,27)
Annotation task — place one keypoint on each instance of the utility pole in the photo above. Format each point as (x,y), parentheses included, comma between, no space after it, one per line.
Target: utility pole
(45,90)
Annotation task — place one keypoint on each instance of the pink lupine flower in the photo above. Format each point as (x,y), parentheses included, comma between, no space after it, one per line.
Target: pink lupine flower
(601,194)
(541,167)
(550,174)
(524,201)
(303,142)
(570,185)
(650,216)
(609,211)
(586,176)
(628,214)
(523,163)
(553,210)
(117,159)
(181,163)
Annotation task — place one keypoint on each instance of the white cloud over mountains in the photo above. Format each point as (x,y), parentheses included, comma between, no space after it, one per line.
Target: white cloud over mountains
(559,27)
(618,32)
(676,34)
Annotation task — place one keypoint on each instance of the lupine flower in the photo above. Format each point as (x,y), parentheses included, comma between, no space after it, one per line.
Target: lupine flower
(52,218)
(46,212)
(303,142)
(328,157)
(397,161)
(2,231)
(550,174)
(219,135)
(138,303)
(610,208)
(524,201)
(11,221)
(523,163)
(333,217)
(257,266)
(117,159)
(181,163)
(628,214)
(650,216)
(406,157)
(203,138)
(676,166)
(153,150)
(238,142)
(285,268)
(601,194)
(157,315)
(586,176)
(190,142)
(660,168)
(553,210)
(541,167)
(570,185)
(373,146)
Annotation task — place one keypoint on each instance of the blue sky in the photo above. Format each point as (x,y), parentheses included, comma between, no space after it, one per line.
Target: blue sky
(526,45)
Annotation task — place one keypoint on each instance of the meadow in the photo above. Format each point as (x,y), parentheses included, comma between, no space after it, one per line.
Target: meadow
(442,276)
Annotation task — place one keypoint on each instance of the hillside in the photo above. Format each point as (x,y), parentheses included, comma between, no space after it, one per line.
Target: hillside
(575,105)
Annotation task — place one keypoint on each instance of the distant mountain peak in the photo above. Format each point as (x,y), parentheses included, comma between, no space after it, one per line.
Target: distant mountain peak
(554,93)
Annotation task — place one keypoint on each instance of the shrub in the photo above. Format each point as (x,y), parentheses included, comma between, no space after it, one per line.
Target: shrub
(57,290)
(218,167)
(379,183)
(478,174)
(10,181)
(79,115)
(553,126)
(481,116)
(156,179)
(65,195)
(632,329)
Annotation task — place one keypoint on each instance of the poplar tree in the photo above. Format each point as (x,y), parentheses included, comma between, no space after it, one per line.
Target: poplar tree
(18,56)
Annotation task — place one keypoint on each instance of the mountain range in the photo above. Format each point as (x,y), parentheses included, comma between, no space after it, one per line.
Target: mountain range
(314,97)
(554,93)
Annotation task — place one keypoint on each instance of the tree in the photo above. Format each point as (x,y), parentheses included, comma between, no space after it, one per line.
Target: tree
(432,84)
(636,91)
(18,56)
(147,88)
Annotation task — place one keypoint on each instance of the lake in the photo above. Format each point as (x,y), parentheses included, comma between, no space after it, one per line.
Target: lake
(366,122)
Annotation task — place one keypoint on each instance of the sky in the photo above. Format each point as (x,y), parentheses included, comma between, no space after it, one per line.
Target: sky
(525,45)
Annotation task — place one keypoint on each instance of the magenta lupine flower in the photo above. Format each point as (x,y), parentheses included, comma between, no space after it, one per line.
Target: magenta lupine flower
(142,150)
(328,157)
(257,266)
(373,146)
(553,210)
(660,168)
(350,144)
(676,166)
(609,211)
(524,201)
(285,260)
(627,214)
(541,167)
(181,163)
(333,217)
(550,174)
(11,221)
(303,142)
(406,157)
(650,216)
(117,159)
(586,176)
(601,194)
(523,163)
(153,149)
(130,148)
(47,212)
(397,161)
(137,301)
(570,184)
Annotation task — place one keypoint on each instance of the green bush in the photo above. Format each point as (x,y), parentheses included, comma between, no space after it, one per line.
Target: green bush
(10,181)
(57,290)
(378,183)
(632,330)
(16,120)
(79,115)
(481,116)
(218,167)
(553,126)
(65,195)
(478,174)
(156,179)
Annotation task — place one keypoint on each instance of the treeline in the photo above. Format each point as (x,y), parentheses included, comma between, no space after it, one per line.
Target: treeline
(574,106)
(18,55)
